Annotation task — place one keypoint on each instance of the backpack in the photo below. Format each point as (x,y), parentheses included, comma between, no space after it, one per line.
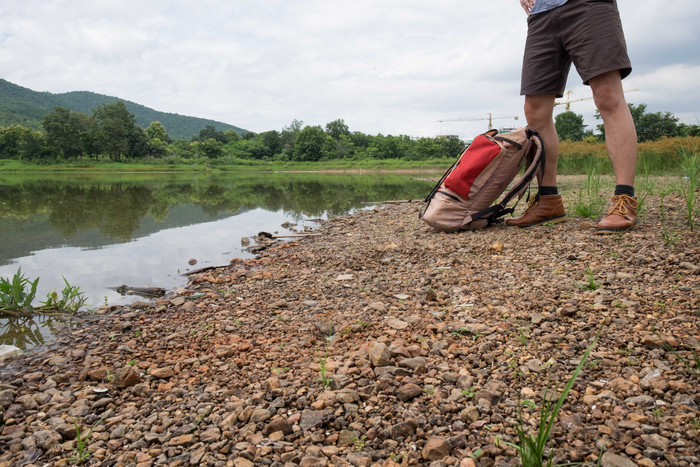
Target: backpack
(464,197)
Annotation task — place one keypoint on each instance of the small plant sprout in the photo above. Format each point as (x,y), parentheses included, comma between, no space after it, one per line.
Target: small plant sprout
(323,368)
(592,284)
(359,442)
(469,393)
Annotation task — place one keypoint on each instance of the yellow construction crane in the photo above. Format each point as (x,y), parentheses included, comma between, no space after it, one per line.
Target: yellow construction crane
(568,100)
(490,118)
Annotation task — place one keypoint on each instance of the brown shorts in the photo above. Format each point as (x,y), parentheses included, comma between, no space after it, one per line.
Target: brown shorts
(585,32)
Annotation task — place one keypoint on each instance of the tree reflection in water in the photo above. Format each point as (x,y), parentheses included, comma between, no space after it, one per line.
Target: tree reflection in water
(29,331)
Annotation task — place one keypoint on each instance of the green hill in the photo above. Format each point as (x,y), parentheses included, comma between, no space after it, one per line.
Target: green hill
(22,106)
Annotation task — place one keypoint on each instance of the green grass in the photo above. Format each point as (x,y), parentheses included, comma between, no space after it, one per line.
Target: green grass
(17,293)
(531,447)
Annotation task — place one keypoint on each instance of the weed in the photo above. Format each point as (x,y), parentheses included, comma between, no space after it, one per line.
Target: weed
(531,447)
(476,454)
(81,453)
(14,295)
(522,337)
(131,363)
(589,203)
(657,413)
(468,392)
(238,321)
(429,390)
(323,368)
(72,299)
(528,404)
(669,237)
(138,333)
(359,442)
(592,284)
(110,376)
(690,166)
(689,365)
(362,323)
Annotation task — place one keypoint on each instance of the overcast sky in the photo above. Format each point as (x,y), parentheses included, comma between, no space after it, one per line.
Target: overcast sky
(384,66)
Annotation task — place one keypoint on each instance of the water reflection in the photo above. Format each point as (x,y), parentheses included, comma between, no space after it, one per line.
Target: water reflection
(101,231)
(26,332)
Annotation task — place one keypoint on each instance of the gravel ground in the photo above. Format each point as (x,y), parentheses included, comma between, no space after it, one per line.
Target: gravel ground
(383,342)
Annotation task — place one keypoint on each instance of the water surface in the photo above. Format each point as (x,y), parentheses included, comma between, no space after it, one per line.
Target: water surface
(104,230)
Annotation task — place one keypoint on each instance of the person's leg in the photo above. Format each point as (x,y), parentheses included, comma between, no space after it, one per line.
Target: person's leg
(620,133)
(547,205)
(538,114)
(621,142)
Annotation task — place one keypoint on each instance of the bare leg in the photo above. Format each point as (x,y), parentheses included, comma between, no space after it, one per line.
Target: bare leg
(620,133)
(538,113)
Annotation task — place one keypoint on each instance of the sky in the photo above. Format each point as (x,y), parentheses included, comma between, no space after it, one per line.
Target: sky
(383,66)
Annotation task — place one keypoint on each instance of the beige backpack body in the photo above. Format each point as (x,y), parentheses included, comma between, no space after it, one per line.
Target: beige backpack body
(467,196)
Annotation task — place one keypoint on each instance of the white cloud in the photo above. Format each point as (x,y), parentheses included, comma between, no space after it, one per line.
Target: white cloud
(391,67)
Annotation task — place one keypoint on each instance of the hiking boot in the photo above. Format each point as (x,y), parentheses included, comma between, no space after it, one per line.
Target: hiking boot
(545,208)
(621,218)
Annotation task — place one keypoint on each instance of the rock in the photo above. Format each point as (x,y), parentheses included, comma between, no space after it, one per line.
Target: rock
(260,415)
(126,377)
(313,418)
(162,373)
(359,459)
(182,440)
(27,401)
(45,439)
(379,354)
(408,392)
(610,459)
(192,261)
(404,429)
(278,424)
(9,351)
(656,441)
(7,397)
(99,374)
(397,324)
(325,328)
(210,435)
(436,449)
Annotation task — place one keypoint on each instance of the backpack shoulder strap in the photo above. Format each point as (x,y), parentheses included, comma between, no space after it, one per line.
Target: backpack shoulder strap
(535,157)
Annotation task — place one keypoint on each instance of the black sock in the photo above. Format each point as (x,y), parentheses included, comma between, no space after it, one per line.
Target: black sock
(547,190)
(624,190)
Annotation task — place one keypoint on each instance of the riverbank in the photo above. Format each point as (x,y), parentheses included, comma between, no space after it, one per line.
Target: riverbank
(380,341)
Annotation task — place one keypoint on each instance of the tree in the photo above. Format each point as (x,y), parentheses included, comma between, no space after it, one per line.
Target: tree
(650,126)
(569,126)
(157,130)
(210,132)
(114,130)
(309,144)
(337,128)
(67,132)
(18,142)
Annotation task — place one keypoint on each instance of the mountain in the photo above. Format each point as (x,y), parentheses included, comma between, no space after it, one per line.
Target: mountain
(22,106)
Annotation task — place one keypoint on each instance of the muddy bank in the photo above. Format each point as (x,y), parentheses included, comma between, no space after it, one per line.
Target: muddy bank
(382,342)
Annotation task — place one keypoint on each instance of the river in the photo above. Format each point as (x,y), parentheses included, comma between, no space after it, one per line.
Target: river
(99,231)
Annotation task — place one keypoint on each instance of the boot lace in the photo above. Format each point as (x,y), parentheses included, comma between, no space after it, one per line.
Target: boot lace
(621,205)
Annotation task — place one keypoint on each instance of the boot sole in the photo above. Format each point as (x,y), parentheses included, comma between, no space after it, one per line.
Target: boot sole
(551,220)
(610,231)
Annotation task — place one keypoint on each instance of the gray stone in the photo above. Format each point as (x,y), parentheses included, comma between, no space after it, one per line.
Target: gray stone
(408,391)
(313,418)
(379,354)
(47,438)
(614,460)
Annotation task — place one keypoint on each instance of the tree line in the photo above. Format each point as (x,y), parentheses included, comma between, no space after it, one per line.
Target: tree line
(112,133)
(650,126)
